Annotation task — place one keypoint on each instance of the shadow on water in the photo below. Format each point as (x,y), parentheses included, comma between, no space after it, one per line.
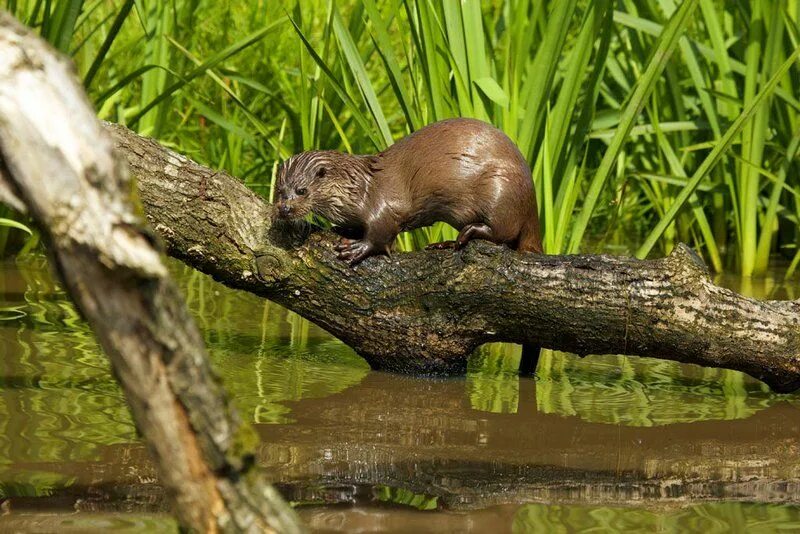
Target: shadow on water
(603,442)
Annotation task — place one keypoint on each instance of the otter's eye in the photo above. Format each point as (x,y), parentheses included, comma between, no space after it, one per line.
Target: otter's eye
(302,191)
(321,172)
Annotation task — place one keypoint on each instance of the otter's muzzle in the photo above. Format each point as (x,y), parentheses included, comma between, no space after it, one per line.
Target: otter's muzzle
(284,211)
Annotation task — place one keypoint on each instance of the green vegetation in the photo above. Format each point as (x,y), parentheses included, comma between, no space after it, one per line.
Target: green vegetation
(645,123)
(405,497)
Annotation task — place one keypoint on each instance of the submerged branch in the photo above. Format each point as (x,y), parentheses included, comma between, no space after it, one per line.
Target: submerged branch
(425,312)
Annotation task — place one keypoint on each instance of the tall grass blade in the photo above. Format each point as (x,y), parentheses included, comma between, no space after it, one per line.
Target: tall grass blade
(11,223)
(339,89)
(127,80)
(208,64)
(61,26)
(113,32)
(359,71)
(773,204)
(383,45)
(650,77)
(540,74)
(714,156)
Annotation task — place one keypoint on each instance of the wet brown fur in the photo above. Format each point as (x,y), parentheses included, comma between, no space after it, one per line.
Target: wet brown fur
(460,171)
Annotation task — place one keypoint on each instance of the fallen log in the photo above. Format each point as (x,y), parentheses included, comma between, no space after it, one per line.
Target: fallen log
(425,312)
(58,163)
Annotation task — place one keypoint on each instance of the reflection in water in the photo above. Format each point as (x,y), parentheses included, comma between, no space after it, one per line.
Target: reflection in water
(90,523)
(57,401)
(772,286)
(405,497)
(717,518)
(266,355)
(645,392)
(425,437)
(335,432)
(616,389)
(492,379)
(707,518)
(31,483)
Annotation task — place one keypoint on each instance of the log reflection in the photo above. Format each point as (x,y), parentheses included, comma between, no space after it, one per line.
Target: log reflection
(427,438)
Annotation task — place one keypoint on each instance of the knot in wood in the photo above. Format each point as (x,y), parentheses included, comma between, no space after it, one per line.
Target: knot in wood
(270,267)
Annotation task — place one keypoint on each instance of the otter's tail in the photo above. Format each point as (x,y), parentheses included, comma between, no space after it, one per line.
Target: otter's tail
(530,238)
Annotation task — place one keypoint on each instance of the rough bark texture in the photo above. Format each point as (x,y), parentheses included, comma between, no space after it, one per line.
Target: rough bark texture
(58,161)
(425,312)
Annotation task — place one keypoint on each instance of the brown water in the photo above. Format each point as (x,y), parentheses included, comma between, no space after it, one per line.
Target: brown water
(604,443)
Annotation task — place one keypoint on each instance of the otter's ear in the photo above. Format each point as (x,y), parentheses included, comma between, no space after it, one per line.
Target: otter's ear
(321,172)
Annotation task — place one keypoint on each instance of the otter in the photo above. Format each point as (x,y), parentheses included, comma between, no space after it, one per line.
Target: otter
(464,172)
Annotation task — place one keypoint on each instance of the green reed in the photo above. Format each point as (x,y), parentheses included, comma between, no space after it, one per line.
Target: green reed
(645,123)
(555,75)
(11,230)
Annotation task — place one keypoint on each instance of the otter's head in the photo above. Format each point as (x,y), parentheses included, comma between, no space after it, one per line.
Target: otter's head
(323,181)
(299,181)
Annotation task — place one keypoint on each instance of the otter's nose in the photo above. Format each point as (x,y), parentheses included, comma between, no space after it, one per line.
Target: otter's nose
(284,210)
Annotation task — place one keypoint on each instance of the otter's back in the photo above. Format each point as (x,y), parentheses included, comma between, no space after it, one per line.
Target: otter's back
(451,168)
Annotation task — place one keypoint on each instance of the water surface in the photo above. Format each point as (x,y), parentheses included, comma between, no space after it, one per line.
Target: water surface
(605,442)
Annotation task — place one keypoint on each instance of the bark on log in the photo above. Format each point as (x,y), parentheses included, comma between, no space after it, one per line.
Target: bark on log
(425,312)
(58,161)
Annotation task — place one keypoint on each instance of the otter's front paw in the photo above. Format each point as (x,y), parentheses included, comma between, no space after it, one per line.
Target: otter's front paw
(355,251)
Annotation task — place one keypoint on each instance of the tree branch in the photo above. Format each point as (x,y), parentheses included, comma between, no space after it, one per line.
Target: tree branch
(60,163)
(425,312)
